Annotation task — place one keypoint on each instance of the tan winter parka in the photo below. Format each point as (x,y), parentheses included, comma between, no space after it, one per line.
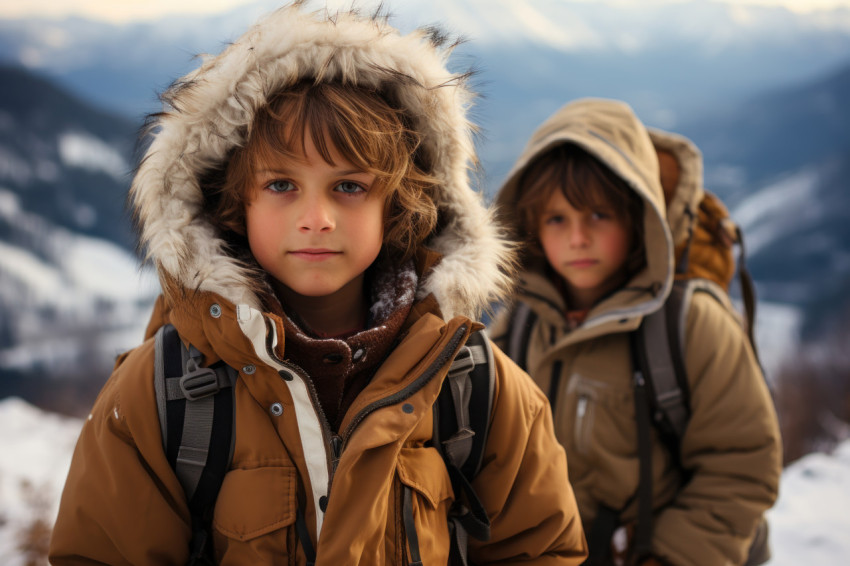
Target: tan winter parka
(732,440)
(123,504)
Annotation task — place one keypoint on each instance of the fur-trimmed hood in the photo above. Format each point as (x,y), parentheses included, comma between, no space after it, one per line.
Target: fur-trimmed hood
(609,130)
(209,111)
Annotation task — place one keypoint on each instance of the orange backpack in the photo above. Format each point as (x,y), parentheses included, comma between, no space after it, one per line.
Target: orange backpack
(704,250)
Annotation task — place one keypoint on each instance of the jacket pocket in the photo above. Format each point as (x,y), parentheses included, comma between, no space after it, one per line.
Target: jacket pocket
(256,502)
(423,473)
(597,416)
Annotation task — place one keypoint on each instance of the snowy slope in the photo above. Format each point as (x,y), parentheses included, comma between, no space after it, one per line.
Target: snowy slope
(64,289)
(810,523)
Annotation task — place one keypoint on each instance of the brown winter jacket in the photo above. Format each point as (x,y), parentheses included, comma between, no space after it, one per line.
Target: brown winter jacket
(732,441)
(122,503)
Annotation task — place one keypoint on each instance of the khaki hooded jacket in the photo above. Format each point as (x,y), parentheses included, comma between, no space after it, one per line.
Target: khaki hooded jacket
(732,441)
(122,504)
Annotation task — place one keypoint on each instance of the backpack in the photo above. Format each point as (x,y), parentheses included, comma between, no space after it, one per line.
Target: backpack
(196,416)
(704,263)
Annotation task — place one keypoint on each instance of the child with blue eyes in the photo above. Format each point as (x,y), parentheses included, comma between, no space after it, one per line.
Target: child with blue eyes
(598,202)
(305,200)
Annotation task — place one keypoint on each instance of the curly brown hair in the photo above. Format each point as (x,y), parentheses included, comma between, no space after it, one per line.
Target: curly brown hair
(586,183)
(364,127)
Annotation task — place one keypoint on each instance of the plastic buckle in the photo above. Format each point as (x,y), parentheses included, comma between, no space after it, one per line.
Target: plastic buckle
(199,384)
(463,362)
(461,435)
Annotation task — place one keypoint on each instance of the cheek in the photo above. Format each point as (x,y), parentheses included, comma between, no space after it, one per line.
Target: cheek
(551,244)
(262,231)
(618,244)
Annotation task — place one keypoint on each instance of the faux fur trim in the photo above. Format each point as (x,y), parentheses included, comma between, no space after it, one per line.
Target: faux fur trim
(209,111)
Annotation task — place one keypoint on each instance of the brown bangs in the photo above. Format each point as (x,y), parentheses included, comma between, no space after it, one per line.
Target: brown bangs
(371,136)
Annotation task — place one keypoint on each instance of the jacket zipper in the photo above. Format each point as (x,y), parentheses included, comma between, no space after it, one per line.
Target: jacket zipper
(420,382)
(336,443)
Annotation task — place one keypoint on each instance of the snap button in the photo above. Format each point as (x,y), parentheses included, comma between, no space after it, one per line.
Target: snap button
(332,359)
(215,310)
(358,354)
(276,409)
(249,369)
(323,503)
(287,376)
(407,408)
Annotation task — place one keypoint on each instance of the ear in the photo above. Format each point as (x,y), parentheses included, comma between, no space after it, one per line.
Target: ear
(670,171)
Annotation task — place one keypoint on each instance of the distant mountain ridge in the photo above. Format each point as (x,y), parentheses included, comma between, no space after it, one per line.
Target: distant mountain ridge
(658,56)
(64,158)
(72,294)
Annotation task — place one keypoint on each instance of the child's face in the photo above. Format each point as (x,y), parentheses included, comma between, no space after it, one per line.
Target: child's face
(314,226)
(588,248)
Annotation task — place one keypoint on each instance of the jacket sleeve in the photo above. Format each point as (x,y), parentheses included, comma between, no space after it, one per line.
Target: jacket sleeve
(523,481)
(121,503)
(731,443)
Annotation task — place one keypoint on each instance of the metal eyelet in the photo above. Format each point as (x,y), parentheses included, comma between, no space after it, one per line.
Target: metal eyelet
(215,310)
(249,369)
(276,409)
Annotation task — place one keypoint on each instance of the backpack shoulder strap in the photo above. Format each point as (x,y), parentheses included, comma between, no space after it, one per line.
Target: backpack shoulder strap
(657,350)
(522,320)
(461,426)
(195,406)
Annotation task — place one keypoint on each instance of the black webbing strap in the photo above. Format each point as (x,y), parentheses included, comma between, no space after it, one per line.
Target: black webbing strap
(304,537)
(519,333)
(415,559)
(642,546)
(655,351)
(748,293)
(555,377)
(467,507)
(600,534)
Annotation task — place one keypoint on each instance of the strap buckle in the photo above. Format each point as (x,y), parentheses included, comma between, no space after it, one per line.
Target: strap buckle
(463,362)
(199,383)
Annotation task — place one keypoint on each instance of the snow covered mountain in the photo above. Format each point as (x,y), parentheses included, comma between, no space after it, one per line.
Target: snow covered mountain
(71,292)
(781,160)
(666,58)
(809,522)
(761,90)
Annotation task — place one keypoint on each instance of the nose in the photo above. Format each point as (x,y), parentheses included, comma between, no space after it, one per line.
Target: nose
(579,235)
(316,215)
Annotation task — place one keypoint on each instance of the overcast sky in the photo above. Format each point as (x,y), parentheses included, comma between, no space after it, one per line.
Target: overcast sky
(128,10)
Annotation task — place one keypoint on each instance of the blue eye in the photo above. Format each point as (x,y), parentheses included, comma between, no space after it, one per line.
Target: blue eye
(280,186)
(555,219)
(349,187)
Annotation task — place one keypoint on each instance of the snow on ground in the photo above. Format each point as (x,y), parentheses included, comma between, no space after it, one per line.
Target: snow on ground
(34,460)
(809,524)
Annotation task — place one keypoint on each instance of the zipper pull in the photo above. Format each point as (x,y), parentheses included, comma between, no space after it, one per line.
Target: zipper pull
(581,407)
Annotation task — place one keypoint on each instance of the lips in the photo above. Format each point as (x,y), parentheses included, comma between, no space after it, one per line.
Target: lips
(314,254)
(582,263)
